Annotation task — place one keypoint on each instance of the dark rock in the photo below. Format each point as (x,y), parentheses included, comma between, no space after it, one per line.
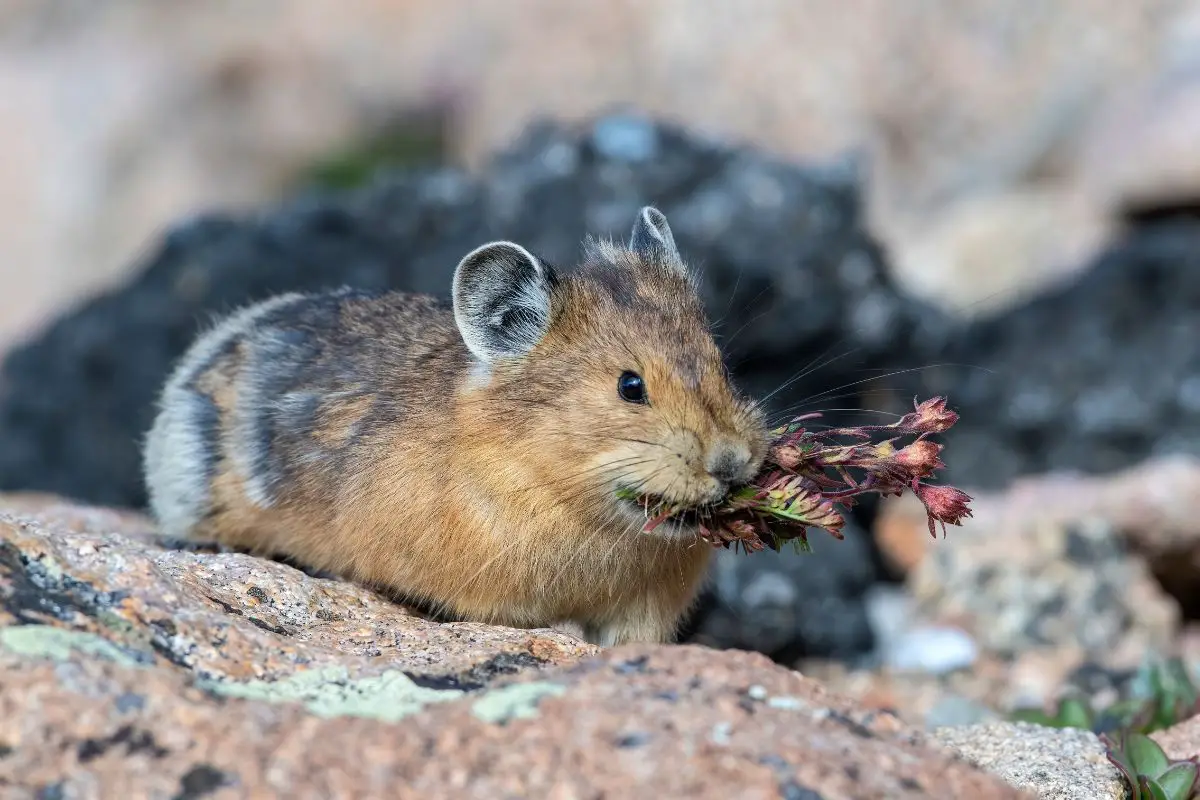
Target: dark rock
(790,606)
(200,781)
(1095,376)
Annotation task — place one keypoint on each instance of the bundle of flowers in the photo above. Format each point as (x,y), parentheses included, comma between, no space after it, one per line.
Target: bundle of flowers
(809,478)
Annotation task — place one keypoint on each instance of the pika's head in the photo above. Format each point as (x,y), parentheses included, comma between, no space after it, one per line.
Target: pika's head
(607,378)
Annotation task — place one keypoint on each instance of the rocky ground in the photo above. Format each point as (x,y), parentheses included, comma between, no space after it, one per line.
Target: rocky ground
(132,667)
(1063,583)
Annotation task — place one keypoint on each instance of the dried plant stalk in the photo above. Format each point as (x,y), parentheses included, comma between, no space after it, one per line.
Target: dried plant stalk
(809,478)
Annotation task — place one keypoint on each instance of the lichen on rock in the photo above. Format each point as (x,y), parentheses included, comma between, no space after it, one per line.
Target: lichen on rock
(59,644)
(332,692)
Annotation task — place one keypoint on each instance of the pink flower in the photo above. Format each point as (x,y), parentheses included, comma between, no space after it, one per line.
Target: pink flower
(920,458)
(931,416)
(943,504)
(810,478)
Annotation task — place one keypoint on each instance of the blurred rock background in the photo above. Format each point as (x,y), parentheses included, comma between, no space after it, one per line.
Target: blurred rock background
(1003,197)
(1005,141)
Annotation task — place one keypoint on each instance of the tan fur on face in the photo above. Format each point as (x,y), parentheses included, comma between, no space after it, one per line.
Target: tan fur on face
(383,455)
(625,315)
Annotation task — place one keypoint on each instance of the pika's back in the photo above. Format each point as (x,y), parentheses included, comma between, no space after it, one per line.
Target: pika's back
(293,390)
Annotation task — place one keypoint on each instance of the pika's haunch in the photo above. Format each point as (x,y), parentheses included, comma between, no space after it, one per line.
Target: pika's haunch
(467,453)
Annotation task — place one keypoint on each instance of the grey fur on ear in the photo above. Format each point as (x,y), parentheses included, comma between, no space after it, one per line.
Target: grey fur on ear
(653,241)
(501,300)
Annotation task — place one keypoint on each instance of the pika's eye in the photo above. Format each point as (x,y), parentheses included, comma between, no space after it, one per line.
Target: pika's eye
(631,387)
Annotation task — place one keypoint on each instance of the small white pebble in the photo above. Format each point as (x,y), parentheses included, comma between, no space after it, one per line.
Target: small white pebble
(720,733)
(87,550)
(786,703)
(757,692)
(934,650)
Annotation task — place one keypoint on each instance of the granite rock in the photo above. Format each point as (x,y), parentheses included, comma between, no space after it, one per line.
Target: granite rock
(132,668)
(1054,764)
(224,615)
(991,688)
(1181,740)
(1032,572)
(1154,507)
(1071,587)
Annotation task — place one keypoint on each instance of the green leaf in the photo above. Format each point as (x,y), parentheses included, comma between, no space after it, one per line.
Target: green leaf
(1183,677)
(1075,713)
(1115,750)
(1072,712)
(1177,781)
(745,492)
(1145,755)
(1158,679)
(801,546)
(1151,790)
(1147,683)
(1143,720)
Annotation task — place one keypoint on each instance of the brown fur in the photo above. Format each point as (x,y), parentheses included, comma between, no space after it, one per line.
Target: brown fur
(494,502)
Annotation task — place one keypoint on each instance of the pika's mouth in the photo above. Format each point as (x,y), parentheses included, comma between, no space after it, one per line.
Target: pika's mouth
(651,506)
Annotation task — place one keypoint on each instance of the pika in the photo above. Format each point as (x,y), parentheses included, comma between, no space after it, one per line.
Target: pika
(468,452)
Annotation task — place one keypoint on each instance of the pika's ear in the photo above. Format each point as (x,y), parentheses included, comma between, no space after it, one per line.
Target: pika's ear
(652,240)
(502,300)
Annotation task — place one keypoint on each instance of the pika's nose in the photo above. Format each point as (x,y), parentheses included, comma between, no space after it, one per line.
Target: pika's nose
(728,462)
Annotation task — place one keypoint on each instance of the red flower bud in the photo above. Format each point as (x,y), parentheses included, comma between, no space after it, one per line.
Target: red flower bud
(787,456)
(809,478)
(943,504)
(740,528)
(920,458)
(932,416)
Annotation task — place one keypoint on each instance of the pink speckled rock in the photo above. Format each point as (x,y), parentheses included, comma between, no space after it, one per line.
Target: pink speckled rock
(130,669)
